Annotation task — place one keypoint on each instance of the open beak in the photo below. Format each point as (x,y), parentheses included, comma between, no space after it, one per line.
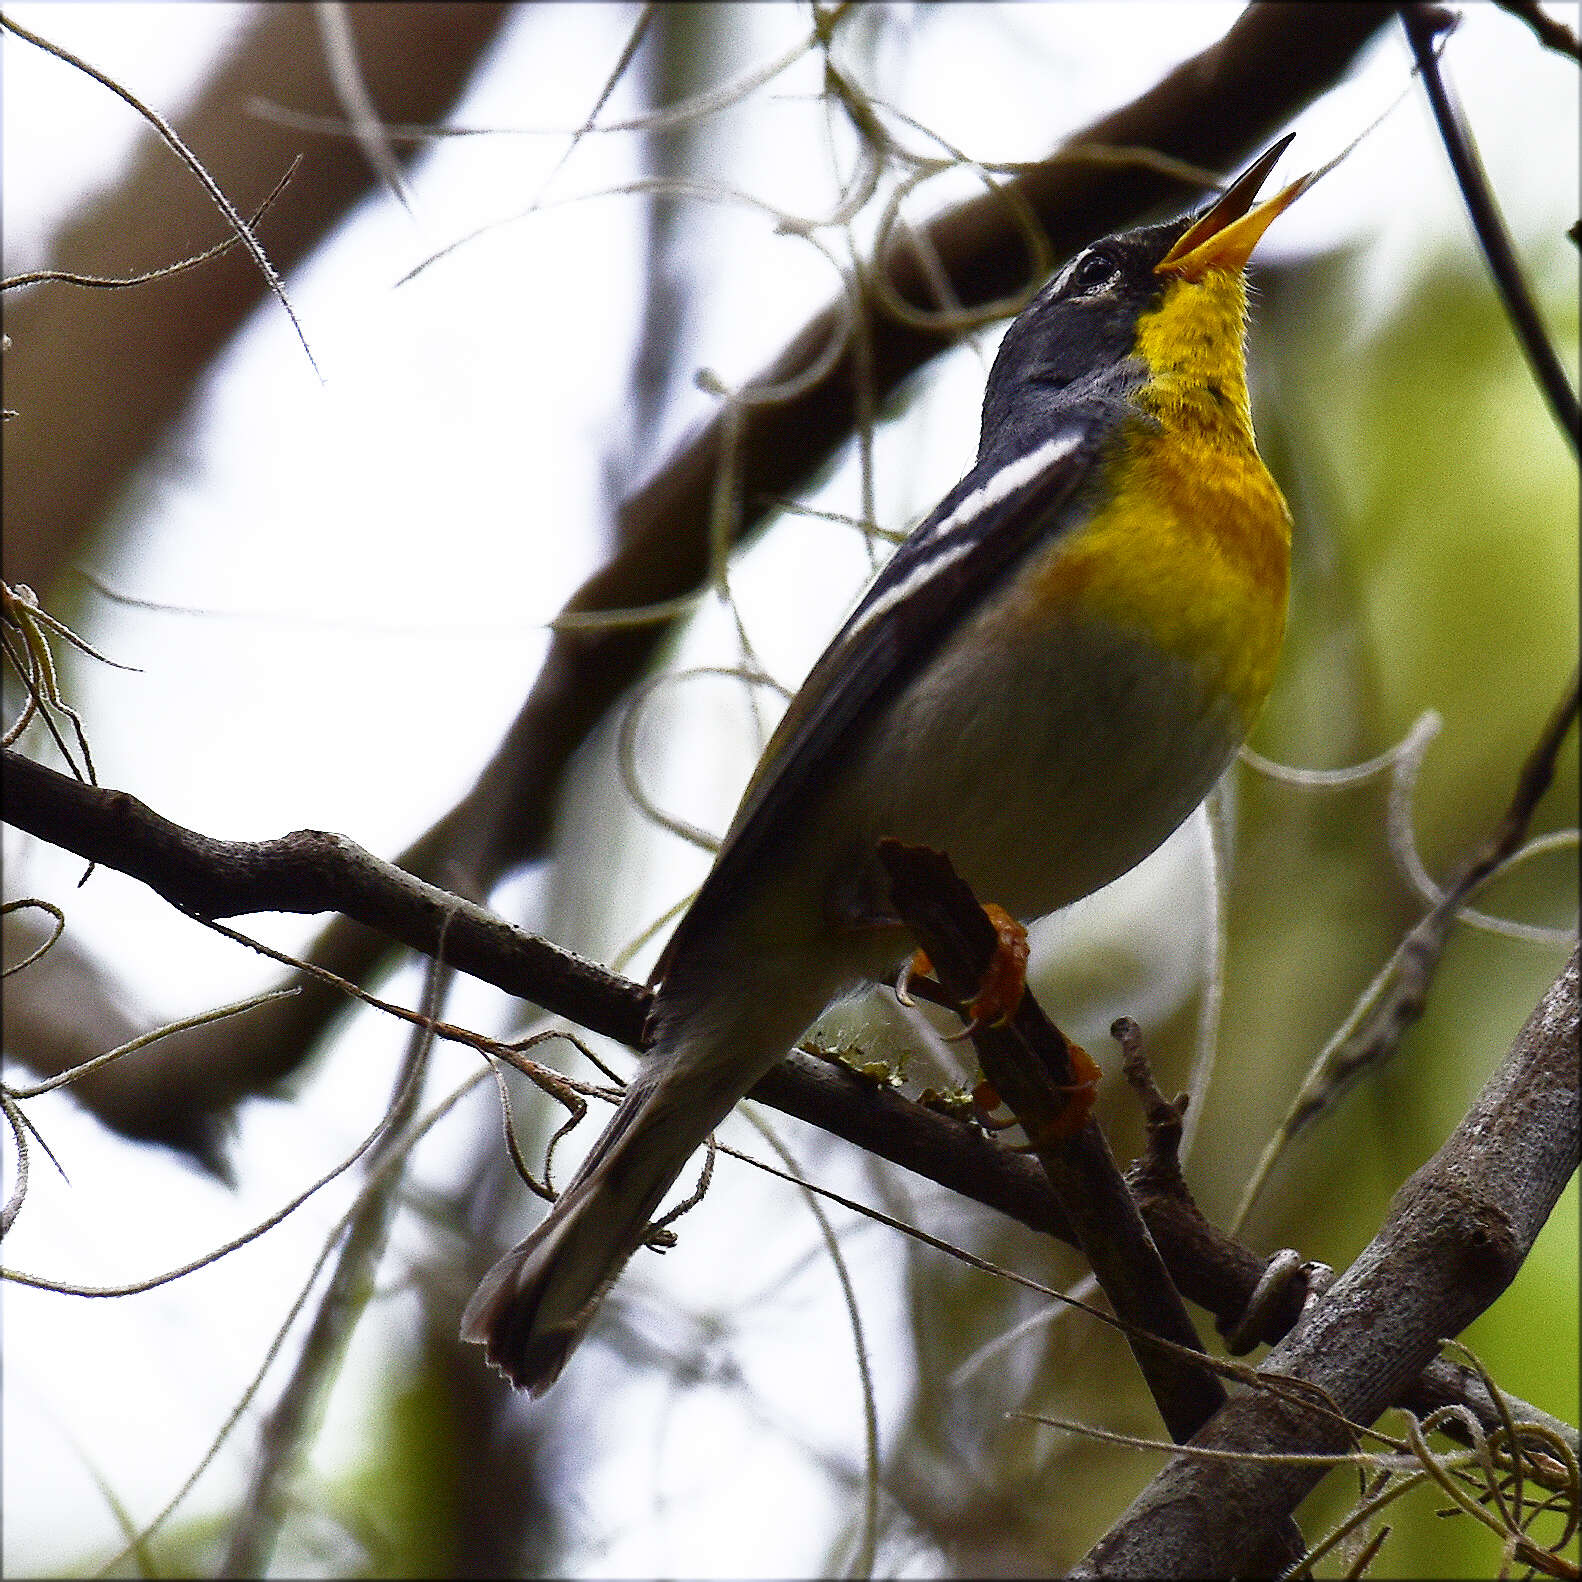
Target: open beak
(1225,236)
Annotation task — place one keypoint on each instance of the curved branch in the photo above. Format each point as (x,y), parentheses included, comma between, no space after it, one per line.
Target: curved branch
(1211,110)
(314,871)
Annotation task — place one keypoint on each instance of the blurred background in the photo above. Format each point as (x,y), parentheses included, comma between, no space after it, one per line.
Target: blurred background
(334,579)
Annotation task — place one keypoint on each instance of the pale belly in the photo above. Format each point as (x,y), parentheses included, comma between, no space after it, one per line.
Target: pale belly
(1045,764)
(1044,761)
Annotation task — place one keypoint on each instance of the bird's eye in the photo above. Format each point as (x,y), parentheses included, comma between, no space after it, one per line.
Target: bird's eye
(1093,272)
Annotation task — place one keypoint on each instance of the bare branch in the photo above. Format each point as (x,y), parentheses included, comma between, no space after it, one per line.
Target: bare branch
(65,277)
(309,870)
(1030,1063)
(289,1425)
(1455,1236)
(240,228)
(1552,33)
(1400,994)
(1210,111)
(315,871)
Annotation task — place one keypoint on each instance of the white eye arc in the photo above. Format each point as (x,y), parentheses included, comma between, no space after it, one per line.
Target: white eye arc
(1089,273)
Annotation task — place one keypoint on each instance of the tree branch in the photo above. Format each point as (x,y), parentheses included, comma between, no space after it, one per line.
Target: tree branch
(1211,110)
(1030,1064)
(1406,997)
(1455,1236)
(314,871)
(1550,31)
(309,871)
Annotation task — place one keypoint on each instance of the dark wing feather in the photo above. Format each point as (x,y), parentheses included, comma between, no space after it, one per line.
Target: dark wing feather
(946,566)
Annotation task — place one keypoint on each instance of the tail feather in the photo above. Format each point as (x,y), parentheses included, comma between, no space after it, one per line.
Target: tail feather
(505,1315)
(536,1302)
(532,1307)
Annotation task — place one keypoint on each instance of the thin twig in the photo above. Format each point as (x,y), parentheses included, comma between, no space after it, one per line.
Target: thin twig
(173,140)
(291,1422)
(67,277)
(1399,995)
(1552,32)
(1423,25)
(351,88)
(868,1539)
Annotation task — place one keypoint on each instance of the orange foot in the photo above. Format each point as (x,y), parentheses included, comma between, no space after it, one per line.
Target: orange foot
(1000,991)
(1081,1093)
(1004,979)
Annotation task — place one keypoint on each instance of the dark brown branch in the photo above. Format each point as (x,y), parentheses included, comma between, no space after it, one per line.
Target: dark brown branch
(1028,1060)
(1552,33)
(310,872)
(1212,110)
(1455,1236)
(314,871)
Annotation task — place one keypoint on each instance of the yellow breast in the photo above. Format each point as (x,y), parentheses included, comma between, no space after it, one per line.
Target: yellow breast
(1191,540)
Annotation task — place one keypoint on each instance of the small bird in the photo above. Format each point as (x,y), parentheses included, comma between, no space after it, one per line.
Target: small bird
(1043,682)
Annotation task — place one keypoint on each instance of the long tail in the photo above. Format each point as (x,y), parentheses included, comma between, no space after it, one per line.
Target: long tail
(534,1305)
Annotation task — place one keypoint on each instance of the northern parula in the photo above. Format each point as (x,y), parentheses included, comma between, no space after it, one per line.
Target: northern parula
(1045,679)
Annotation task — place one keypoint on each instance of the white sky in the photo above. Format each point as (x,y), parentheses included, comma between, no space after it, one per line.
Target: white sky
(385,549)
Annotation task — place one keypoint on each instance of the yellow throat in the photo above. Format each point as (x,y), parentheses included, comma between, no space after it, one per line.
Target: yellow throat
(1192,545)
